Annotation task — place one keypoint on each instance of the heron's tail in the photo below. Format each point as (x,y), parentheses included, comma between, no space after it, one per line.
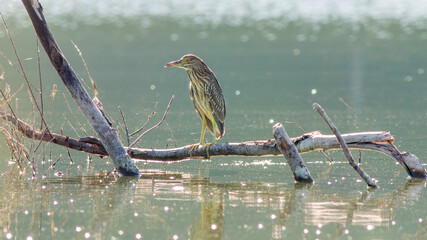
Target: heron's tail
(221,129)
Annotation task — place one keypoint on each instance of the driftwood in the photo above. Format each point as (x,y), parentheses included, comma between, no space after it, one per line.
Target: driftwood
(314,141)
(289,150)
(106,134)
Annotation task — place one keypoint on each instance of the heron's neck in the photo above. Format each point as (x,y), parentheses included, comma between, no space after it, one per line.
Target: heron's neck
(198,76)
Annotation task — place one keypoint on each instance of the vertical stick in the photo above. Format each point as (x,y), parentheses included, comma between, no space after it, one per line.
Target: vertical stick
(344,147)
(285,145)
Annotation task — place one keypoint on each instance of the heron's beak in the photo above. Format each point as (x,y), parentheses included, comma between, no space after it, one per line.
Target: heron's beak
(177,63)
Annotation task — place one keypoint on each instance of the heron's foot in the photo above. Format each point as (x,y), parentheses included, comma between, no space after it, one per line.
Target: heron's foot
(192,148)
(207,147)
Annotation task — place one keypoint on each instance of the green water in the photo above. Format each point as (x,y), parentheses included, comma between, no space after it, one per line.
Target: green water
(268,75)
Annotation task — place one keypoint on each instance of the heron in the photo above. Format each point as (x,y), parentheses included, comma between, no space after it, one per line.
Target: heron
(206,93)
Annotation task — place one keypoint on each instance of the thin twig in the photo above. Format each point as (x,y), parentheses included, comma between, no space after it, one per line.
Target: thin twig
(155,126)
(355,121)
(40,80)
(71,125)
(7,100)
(327,157)
(52,165)
(296,124)
(171,131)
(18,145)
(354,113)
(95,89)
(344,147)
(68,151)
(126,126)
(52,97)
(8,104)
(38,145)
(146,122)
(23,73)
(74,116)
(11,96)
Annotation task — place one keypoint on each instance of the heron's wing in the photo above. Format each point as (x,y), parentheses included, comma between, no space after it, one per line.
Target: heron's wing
(216,98)
(217,103)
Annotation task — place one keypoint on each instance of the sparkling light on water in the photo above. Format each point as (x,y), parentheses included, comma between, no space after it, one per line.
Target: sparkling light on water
(178,188)
(9,235)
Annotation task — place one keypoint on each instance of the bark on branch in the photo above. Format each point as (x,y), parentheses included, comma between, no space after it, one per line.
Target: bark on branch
(106,134)
(314,141)
(287,147)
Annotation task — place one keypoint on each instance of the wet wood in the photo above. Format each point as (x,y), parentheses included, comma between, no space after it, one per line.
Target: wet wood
(288,149)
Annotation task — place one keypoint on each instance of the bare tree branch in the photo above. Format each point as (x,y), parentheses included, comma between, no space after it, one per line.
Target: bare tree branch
(308,142)
(155,126)
(146,122)
(343,144)
(107,135)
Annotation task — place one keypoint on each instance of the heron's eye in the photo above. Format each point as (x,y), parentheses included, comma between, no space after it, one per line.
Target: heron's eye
(186,60)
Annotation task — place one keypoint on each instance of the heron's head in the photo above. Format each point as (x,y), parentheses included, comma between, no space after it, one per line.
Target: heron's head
(187,62)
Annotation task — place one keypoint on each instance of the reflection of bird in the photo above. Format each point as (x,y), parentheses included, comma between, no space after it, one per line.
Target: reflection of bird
(206,94)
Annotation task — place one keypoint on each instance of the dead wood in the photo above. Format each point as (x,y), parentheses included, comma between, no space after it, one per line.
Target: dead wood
(295,162)
(314,141)
(106,134)
(344,147)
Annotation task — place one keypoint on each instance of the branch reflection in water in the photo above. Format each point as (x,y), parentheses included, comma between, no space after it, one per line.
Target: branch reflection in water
(105,207)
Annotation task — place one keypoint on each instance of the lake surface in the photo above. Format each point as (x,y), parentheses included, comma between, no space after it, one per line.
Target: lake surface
(273,60)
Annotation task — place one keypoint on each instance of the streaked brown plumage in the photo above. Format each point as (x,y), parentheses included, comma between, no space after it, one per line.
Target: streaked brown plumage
(206,93)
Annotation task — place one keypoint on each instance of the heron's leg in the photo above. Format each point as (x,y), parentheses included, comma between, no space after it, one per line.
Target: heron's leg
(208,145)
(202,137)
(214,133)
